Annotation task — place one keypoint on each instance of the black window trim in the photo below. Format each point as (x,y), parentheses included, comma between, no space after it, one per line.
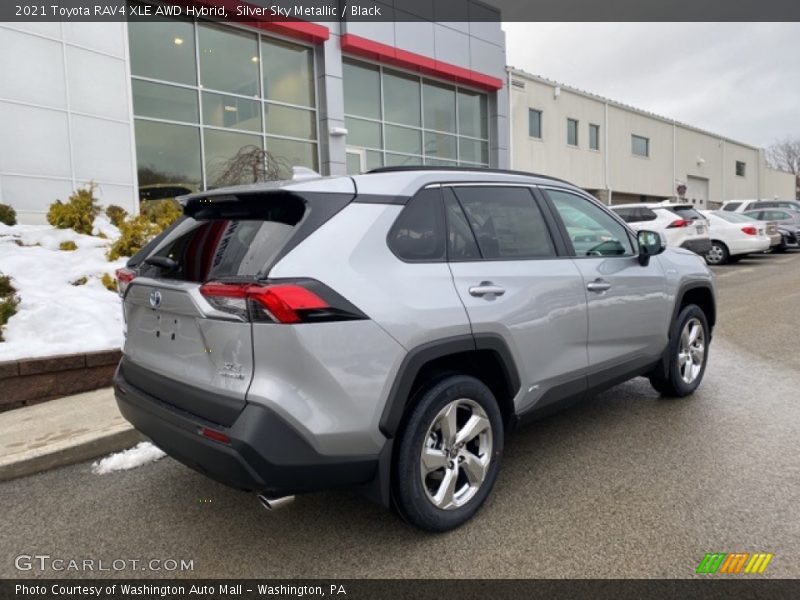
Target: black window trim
(561,250)
(563,228)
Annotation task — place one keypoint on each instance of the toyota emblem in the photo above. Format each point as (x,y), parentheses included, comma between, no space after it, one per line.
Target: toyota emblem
(155,298)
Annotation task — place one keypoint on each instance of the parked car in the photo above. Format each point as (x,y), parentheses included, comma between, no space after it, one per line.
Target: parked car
(386,331)
(681,224)
(743,205)
(788,222)
(734,236)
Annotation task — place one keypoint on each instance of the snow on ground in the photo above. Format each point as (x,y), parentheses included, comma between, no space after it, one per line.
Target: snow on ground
(140,454)
(54,316)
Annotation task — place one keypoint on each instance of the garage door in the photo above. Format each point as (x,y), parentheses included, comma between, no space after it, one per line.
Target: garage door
(697,191)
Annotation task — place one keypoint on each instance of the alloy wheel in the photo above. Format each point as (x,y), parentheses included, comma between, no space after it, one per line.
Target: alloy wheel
(456,454)
(715,255)
(691,351)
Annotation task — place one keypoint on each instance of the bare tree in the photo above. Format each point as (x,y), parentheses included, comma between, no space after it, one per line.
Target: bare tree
(785,156)
(251,164)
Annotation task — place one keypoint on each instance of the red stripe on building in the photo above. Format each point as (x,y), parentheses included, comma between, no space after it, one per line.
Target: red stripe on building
(294,28)
(354,44)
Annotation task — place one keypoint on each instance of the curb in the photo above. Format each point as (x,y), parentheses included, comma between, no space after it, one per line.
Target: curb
(52,457)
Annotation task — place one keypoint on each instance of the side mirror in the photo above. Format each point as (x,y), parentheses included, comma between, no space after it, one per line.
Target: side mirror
(650,244)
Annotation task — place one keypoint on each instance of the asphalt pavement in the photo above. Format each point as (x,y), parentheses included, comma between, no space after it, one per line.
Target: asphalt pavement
(626,485)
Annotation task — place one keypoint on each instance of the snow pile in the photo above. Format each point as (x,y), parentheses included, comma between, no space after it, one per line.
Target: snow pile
(141,454)
(58,313)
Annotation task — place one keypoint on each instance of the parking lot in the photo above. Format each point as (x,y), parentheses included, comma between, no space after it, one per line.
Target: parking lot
(627,485)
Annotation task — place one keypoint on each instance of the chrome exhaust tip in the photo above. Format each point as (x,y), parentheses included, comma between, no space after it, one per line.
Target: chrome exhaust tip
(274,503)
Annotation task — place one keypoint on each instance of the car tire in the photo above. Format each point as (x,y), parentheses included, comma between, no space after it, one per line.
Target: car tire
(687,355)
(735,258)
(448,455)
(718,254)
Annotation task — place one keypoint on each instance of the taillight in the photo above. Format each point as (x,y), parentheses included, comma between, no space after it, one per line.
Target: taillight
(749,230)
(124,277)
(301,301)
(679,223)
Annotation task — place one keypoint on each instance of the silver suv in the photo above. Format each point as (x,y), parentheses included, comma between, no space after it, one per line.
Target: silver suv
(386,331)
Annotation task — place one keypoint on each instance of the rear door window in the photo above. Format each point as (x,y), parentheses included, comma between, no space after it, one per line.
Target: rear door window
(461,243)
(629,215)
(506,221)
(645,214)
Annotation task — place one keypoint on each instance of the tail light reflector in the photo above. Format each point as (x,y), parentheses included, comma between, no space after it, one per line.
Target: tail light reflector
(280,302)
(679,223)
(749,230)
(124,276)
(215,435)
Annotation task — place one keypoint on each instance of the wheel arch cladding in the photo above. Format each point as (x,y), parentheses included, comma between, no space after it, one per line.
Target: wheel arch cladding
(484,356)
(700,294)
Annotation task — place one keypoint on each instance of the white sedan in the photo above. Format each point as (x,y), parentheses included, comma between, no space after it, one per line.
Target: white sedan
(733,236)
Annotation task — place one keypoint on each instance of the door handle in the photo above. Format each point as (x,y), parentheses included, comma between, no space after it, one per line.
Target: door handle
(486,288)
(598,286)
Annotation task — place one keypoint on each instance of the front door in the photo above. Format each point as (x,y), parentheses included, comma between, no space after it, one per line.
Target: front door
(513,283)
(628,305)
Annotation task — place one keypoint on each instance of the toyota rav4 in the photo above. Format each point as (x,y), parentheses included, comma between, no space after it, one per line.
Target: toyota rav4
(387,331)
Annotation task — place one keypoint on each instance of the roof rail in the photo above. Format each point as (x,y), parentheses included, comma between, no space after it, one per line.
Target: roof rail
(400,169)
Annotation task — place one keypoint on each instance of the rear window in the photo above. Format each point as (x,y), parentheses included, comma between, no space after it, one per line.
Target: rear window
(686,212)
(732,217)
(732,206)
(217,247)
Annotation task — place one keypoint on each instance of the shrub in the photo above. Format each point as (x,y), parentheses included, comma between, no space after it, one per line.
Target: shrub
(109,282)
(8,215)
(69,246)
(162,212)
(135,232)
(116,214)
(8,302)
(77,213)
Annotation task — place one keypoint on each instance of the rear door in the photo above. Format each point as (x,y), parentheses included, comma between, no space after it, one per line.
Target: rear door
(628,310)
(182,348)
(509,276)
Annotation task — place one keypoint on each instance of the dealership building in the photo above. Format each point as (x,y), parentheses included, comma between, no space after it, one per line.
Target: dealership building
(158,106)
(622,154)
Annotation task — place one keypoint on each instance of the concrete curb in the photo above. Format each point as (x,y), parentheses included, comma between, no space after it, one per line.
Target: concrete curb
(53,458)
(62,432)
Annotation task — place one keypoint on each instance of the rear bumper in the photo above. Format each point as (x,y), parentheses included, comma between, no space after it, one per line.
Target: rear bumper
(698,246)
(747,246)
(265,453)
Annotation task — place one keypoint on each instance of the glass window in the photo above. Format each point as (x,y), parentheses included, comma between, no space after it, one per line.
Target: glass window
(594,137)
(362,90)
(161,101)
(473,150)
(292,122)
(228,60)
(591,229)
(167,154)
(363,133)
(293,154)
(732,206)
(686,212)
(439,104)
(626,214)
(740,168)
(572,132)
(506,221)
(640,146)
(440,162)
(228,154)
(402,160)
(461,244)
(403,139)
(288,72)
(231,112)
(472,114)
(163,50)
(401,98)
(418,234)
(440,145)
(374,159)
(534,123)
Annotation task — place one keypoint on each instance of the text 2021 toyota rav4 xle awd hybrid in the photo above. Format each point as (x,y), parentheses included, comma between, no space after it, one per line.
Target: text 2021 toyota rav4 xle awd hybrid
(386,331)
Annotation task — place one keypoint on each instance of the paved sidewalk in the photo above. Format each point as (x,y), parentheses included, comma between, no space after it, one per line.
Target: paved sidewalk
(62,432)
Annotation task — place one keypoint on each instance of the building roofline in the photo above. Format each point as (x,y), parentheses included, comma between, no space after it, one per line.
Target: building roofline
(621,105)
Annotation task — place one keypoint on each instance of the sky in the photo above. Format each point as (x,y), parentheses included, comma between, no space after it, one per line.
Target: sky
(740,80)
